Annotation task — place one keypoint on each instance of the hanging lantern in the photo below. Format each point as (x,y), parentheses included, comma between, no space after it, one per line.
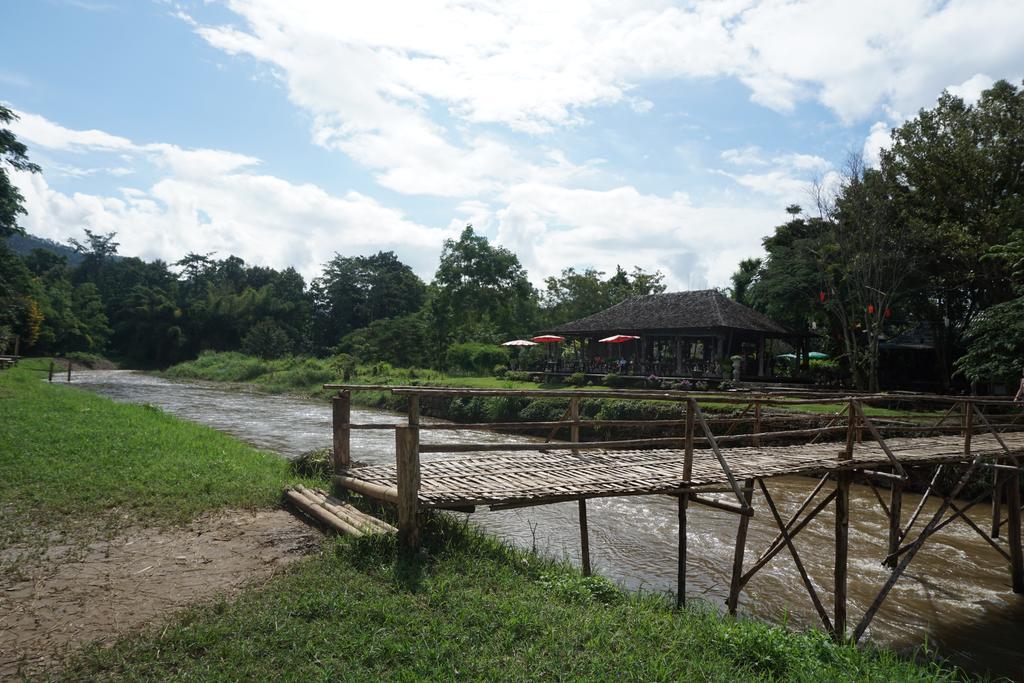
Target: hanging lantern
(888,312)
(821,297)
(871,309)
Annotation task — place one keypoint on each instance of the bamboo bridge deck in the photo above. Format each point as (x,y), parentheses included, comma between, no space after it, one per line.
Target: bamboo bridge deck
(509,478)
(693,461)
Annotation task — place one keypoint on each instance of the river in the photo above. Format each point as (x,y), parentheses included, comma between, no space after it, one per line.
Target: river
(955,596)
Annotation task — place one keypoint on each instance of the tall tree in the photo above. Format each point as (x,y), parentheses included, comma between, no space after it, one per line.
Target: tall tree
(481,292)
(574,294)
(13,155)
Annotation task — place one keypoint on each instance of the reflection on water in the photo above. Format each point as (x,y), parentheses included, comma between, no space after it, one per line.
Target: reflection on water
(956,593)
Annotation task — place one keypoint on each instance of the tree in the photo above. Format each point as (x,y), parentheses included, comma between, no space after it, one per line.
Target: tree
(955,171)
(14,155)
(572,295)
(357,290)
(743,278)
(478,285)
(266,340)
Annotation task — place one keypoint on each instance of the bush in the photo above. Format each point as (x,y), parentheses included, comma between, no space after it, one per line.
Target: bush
(266,340)
(517,376)
(343,365)
(544,410)
(614,381)
(500,370)
(473,357)
(576,379)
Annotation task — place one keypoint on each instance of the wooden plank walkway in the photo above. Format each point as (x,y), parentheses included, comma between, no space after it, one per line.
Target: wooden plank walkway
(508,478)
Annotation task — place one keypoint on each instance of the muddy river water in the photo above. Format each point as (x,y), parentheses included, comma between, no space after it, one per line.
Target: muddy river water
(955,596)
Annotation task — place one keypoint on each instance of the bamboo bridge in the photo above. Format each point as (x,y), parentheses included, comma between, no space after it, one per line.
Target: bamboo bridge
(975,437)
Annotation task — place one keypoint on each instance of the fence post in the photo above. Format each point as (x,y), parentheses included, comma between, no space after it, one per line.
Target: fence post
(407,461)
(69,371)
(842,523)
(684,500)
(574,437)
(997,503)
(17,345)
(968,426)
(757,422)
(340,416)
(895,519)
(50,376)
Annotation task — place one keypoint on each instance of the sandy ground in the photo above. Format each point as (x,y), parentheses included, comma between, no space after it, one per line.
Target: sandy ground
(72,596)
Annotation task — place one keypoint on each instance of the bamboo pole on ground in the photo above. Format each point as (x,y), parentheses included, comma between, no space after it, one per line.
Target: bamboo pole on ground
(407,461)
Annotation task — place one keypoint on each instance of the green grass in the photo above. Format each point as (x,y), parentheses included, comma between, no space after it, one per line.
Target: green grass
(471,609)
(72,457)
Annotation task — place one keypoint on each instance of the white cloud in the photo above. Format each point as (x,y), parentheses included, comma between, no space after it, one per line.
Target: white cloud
(971,89)
(748,156)
(877,140)
(211,200)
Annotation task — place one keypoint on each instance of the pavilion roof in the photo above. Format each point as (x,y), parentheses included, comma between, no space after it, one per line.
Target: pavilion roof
(700,309)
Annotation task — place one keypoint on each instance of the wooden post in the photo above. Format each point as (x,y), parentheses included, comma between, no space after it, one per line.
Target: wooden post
(69,372)
(17,345)
(414,411)
(50,377)
(574,416)
(757,421)
(842,529)
(1013,538)
(968,426)
(407,462)
(738,552)
(340,413)
(584,538)
(895,519)
(684,500)
(997,504)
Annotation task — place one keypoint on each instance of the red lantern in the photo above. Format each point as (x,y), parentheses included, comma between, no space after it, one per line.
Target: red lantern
(871,309)
(821,297)
(888,312)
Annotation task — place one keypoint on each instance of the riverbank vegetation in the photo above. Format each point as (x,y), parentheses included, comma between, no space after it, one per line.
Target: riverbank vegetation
(927,241)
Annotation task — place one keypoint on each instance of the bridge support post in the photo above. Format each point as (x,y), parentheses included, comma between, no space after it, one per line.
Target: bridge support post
(684,501)
(895,519)
(1013,538)
(584,538)
(741,545)
(340,421)
(407,462)
(997,503)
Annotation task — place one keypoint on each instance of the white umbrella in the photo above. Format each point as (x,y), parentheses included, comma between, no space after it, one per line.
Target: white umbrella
(520,342)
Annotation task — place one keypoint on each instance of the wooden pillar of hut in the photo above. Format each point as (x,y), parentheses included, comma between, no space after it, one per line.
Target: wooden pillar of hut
(678,354)
(760,357)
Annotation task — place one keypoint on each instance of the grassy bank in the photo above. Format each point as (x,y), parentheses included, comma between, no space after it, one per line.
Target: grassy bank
(471,609)
(72,458)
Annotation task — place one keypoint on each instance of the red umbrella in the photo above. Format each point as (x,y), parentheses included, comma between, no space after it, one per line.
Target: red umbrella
(617,339)
(548,338)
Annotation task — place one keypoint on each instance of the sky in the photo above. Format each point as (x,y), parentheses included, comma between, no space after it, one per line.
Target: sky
(666,135)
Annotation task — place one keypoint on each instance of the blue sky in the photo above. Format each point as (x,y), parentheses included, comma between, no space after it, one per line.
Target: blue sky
(665,135)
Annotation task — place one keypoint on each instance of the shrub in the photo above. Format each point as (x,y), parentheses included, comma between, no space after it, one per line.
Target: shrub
(473,357)
(343,365)
(517,376)
(500,370)
(266,340)
(544,410)
(613,380)
(576,379)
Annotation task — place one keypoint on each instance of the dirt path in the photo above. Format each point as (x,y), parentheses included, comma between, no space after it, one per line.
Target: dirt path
(139,576)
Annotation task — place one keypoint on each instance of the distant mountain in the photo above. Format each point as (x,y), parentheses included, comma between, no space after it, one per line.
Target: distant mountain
(24,244)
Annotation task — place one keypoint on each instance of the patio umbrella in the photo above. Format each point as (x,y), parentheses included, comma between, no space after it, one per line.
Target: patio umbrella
(787,356)
(548,339)
(817,355)
(618,338)
(520,342)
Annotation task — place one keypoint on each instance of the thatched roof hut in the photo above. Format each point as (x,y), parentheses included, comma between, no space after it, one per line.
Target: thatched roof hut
(680,333)
(702,310)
